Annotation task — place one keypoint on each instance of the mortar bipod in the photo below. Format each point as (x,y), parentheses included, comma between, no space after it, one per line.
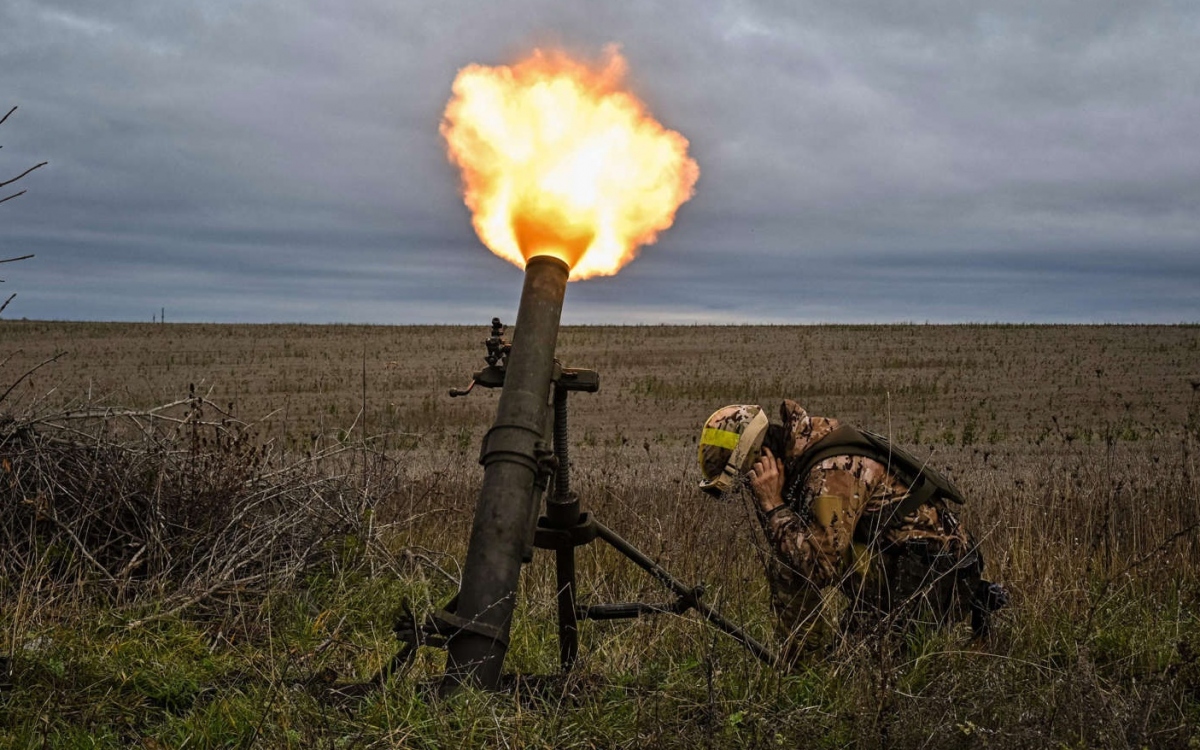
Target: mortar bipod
(562,528)
(565,527)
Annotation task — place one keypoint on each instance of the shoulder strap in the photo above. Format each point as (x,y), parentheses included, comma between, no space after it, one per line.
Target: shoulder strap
(844,441)
(924,482)
(912,469)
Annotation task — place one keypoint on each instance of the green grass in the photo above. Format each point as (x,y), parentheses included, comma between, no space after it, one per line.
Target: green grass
(83,678)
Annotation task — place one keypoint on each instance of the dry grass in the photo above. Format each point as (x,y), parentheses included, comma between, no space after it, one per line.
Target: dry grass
(1076,445)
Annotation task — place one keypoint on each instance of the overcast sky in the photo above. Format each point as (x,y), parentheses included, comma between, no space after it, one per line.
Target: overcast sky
(860,160)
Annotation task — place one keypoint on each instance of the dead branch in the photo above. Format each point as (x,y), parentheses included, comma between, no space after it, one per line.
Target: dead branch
(191,601)
(1161,549)
(80,546)
(12,260)
(39,165)
(31,371)
(10,356)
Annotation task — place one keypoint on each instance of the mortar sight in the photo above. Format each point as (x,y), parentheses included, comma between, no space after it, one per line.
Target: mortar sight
(564,378)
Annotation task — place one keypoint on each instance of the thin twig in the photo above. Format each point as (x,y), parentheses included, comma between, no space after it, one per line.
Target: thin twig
(155,413)
(10,356)
(1137,562)
(194,600)
(55,358)
(27,171)
(14,260)
(2,119)
(83,550)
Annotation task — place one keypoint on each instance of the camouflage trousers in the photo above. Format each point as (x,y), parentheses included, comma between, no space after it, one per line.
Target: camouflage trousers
(900,588)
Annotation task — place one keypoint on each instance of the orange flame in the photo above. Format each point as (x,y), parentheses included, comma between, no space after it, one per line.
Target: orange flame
(558,160)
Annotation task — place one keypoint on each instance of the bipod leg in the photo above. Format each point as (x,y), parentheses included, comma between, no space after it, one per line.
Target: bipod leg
(689,597)
(412,634)
(568,624)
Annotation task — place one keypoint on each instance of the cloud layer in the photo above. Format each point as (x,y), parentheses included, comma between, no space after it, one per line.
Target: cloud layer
(860,161)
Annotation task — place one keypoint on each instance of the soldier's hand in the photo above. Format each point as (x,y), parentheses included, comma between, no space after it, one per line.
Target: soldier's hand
(766,481)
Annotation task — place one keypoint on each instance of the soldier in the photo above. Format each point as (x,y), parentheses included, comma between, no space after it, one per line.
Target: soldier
(861,532)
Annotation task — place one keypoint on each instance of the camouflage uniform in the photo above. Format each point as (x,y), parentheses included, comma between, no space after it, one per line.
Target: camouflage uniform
(827,539)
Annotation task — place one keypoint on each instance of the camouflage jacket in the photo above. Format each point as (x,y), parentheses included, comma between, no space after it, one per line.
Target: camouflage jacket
(823,537)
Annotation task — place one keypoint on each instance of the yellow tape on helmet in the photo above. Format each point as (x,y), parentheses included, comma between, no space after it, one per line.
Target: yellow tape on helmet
(719,438)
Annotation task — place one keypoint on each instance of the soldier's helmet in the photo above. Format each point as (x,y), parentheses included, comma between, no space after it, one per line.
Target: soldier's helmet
(729,445)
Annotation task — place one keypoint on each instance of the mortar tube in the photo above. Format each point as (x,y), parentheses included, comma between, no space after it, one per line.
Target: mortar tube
(510,456)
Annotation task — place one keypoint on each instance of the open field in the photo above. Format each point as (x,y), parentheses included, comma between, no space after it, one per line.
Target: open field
(1077,447)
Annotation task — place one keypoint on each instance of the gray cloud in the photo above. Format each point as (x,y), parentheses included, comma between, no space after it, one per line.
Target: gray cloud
(859,160)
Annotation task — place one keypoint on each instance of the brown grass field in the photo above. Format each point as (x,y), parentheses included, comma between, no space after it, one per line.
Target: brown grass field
(199,574)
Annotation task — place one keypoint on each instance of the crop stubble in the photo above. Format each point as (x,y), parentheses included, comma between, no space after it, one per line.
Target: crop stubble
(1074,444)
(1016,414)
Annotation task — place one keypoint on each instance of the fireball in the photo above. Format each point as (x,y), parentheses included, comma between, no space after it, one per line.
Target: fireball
(558,159)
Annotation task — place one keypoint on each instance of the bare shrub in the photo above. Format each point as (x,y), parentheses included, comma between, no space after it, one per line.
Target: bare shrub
(181,501)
